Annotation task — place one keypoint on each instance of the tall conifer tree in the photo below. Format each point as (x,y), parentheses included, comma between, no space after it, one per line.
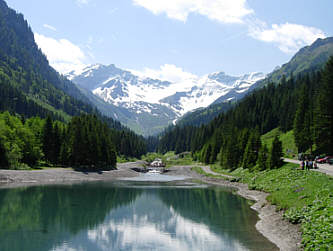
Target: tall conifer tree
(275,156)
(324,111)
(262,158)
(3,156)
(47,140)
(252,149)
(302,121)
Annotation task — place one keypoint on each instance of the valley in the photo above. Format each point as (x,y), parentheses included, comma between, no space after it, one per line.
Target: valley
(161,149)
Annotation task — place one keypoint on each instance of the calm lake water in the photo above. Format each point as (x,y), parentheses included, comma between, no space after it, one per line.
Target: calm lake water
(127,215)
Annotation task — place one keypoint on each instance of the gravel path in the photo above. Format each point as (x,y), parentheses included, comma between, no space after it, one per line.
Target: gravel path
(208,170)
(323,168)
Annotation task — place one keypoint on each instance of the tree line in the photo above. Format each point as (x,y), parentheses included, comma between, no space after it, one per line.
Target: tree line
(302,103)
(47,118)
(85,142)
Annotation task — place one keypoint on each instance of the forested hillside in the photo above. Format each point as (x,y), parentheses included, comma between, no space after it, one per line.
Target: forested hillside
(25,70)
(85,142)
(309,59)
(31,90)
(205,115)
(302,103)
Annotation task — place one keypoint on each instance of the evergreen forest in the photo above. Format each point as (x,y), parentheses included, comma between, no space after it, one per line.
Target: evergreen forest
(45,119)
(302,104)
(84,142)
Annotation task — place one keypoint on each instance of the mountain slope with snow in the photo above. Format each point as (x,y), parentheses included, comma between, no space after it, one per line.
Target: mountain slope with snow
(153,104)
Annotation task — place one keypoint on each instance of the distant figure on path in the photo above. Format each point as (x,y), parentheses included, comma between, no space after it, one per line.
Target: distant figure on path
(302,165)
(306,164)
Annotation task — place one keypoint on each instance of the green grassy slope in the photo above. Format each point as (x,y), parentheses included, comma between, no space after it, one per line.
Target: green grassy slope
(304,196)
(288,143)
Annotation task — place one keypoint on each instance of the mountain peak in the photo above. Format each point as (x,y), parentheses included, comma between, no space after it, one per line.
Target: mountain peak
(148,98)
(223,78)
(321,41)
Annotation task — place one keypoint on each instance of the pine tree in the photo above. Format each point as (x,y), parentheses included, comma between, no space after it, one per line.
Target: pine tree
(324,111)
(47,140)
(77,152)
(302,121)
(251,150)
(56,141)
(179,147)
(262,158)
(208,154)
(113,159)
(216,147)
(4,163)
(275,156)
(229,157)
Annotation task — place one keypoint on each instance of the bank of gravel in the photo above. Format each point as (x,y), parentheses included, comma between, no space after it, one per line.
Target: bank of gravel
(15,178)
(284,235)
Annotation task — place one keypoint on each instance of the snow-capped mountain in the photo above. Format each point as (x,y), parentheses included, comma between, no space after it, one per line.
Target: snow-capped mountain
(148,99)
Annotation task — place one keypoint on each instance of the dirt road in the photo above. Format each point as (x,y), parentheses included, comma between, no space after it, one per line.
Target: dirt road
(208,170)
(323,168)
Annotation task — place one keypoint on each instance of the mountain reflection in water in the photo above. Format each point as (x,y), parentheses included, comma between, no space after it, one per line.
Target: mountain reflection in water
(123,216)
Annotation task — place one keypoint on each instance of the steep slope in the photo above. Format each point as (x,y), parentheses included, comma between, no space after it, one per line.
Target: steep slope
(309,58)
(24,69)
(213,88)
(29,86)
(107,87)
(205,115)
(149,105)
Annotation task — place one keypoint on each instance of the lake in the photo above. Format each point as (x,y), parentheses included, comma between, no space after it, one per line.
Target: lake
(127,215)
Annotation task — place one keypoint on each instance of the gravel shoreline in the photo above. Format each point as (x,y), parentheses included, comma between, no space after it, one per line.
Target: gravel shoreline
(13,178)
(283,234)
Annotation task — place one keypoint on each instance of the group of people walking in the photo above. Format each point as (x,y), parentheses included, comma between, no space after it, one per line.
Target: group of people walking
(308,164)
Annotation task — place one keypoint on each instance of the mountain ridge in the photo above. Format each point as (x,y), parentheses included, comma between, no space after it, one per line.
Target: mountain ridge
(153,104)
(25,68)
(309,58)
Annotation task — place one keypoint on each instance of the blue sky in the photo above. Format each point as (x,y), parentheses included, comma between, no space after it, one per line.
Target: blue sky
(170,37)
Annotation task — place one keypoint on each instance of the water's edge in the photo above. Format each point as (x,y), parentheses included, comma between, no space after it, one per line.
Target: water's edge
(286,236)
(283,234)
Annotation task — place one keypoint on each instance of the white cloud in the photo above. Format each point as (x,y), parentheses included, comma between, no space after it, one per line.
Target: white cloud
(63,55)
(50,27)
(167,72)
(288,37)
(82,2)
(224,11)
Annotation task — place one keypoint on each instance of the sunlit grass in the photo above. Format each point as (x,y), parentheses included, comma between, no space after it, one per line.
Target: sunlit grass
(289,148)
(305,196)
